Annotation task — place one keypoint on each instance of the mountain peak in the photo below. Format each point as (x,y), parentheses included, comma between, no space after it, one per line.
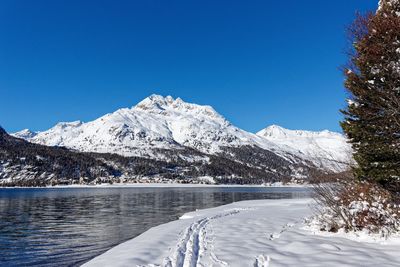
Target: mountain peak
(158,103)
(274,131)
(275,127)
(155,102)
(25,134)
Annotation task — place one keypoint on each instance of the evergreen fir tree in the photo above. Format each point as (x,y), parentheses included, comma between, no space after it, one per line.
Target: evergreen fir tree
(372,118)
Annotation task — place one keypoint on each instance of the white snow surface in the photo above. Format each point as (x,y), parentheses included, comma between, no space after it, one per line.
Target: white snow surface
(250,233)
(24,134)
(168,123)
(325,149)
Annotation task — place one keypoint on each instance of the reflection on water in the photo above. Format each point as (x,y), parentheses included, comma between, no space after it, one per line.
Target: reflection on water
(69,226)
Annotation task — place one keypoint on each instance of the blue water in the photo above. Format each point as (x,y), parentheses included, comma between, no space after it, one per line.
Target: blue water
(69,226)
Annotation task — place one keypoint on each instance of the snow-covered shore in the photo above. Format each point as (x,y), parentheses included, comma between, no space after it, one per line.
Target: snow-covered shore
(250,233)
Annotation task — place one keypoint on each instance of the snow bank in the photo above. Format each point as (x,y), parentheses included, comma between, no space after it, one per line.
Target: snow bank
(249,233)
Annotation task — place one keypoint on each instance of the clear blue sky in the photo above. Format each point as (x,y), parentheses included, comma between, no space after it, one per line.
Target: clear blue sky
(256,62)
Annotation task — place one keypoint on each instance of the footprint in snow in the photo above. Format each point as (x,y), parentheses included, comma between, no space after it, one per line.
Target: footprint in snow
(286,227)
(262,261)
(274,236)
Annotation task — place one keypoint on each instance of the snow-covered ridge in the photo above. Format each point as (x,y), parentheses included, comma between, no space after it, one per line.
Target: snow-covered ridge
(159,104)
(276,132)
(159,122)
(323,148)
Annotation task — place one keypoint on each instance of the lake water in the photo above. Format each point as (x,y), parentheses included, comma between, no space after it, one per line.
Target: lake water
(69,226)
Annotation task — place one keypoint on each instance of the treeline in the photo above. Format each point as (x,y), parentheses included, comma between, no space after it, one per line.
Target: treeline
(45,164)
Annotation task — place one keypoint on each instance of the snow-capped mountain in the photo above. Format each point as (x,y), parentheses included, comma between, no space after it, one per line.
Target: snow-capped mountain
(25,134)
(155,122)
(24,163)
(325,149)
(164,123)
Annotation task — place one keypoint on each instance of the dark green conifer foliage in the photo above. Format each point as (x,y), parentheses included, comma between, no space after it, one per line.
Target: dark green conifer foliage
(372,118)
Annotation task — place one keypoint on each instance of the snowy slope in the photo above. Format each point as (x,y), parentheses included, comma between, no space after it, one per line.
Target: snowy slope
(325,148)
(166,123)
